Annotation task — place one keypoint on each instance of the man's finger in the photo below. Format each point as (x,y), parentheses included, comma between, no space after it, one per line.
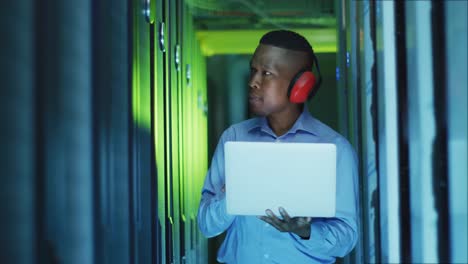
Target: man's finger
(273,217)
(275,221)
(284,214)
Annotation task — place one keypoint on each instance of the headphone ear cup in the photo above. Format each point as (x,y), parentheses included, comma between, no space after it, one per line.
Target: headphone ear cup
(301,86)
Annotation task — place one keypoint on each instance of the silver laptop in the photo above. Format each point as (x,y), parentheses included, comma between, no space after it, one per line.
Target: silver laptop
(301,177)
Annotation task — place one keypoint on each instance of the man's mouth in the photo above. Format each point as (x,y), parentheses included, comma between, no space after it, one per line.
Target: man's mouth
(254,98)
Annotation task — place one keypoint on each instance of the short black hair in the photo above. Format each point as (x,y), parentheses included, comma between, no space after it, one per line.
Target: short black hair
(290,40)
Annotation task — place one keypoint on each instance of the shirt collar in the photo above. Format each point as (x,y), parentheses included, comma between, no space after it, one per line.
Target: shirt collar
(305,122)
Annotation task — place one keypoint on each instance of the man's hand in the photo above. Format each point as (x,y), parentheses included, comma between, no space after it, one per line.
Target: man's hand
(298,225)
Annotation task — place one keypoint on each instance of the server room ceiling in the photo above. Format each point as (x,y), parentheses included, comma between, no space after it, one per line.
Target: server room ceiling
(234,26)
(262,14)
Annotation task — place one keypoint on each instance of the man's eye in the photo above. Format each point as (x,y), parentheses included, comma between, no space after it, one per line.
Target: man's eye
(266,73)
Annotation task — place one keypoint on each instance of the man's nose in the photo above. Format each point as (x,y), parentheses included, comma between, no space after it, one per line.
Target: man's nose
(254,82)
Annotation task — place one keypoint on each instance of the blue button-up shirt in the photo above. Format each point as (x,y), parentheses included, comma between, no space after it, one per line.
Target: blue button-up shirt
(249,239)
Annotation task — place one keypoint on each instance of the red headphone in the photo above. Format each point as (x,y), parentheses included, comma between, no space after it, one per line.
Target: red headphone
(304,85)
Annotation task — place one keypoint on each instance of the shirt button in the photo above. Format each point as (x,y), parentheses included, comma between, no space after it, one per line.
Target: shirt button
(266,256)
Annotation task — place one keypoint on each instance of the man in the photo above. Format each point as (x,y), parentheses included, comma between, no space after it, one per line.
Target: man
(271,238)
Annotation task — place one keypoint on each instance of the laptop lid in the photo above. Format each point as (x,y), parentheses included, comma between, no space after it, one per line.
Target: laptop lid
(300,177)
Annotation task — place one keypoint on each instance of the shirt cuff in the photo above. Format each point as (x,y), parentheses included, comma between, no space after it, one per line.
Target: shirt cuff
(317,236)
(223,210)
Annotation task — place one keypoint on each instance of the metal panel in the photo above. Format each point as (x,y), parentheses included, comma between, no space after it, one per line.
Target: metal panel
(364,60)
(370,221)
(422,131)
(112,114)
(456,14)
(64,142)
(388,136)
(172,184)
(17,136)
(160,134)
(347,76)
(187,174)
(142,128)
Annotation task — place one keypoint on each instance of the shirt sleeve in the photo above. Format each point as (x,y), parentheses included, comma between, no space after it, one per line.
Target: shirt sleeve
(337,236)
(212,216)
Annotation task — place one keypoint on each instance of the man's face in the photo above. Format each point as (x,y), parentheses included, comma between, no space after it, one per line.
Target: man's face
(271,71)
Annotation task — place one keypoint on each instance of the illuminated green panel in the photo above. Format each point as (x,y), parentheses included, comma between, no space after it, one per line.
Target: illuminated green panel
(141,103)
(186,105)
(214,42)
(194,122)
(180,127)
(201,123)
(174,123)
(186,173)
(159,134)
